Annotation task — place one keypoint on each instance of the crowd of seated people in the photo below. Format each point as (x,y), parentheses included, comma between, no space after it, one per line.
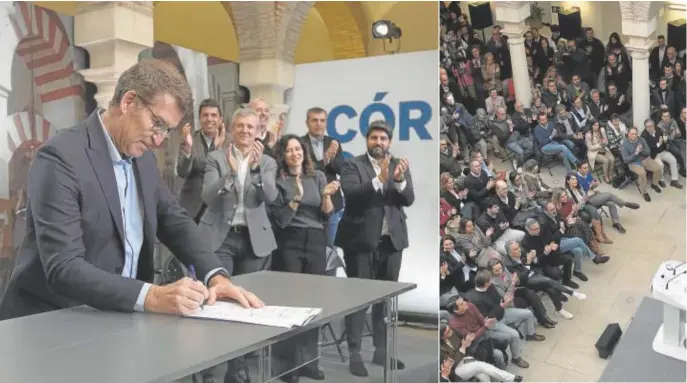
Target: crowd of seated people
(509,240)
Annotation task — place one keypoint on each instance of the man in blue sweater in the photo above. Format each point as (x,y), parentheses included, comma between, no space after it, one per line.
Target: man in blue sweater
(637,155)
(544,133)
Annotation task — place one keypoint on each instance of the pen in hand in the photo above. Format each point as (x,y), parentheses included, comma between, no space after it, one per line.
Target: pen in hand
(192,273)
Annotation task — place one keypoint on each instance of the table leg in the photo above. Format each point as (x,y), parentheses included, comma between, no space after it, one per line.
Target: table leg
(394,324)
(388,325)
(390,319)
(261,365)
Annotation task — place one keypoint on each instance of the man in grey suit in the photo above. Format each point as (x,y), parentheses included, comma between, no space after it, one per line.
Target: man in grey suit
(327,156)
(239,183)
(192,154)
(373,232)
(96,204)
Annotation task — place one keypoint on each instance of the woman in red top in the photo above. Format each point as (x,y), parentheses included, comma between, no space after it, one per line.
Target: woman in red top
(575,226)
(446,212)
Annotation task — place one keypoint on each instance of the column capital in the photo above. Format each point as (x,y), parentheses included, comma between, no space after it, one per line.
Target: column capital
(515,32)
(635,10)
(143,7)
(639,47)
(104,22)
(114,33)
(512,11)
(267,78)
(515,39)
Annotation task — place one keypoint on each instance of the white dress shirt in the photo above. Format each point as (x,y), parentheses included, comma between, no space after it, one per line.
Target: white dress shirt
(379,187)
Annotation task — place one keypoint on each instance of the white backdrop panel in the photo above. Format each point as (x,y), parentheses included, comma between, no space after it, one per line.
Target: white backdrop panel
(403,90)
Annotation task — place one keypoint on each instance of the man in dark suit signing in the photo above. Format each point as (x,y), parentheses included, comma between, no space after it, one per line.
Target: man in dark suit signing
(327,156)
(96,204)
(193,153)
(373,231)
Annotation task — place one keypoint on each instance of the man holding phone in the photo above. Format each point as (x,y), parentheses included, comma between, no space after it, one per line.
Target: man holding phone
(193,151)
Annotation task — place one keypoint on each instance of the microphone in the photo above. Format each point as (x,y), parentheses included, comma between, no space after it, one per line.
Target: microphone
(675,277)
(674,268)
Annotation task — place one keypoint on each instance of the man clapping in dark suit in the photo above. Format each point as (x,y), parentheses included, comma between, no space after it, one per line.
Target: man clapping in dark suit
(373,231)
(97,204)
(327,156)
(193,152)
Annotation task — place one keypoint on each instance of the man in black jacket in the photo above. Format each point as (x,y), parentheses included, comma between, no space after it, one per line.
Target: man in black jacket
(656,56)
(664,96)
(373,231)
(448,158)
(598,107)
(493,218)
(478,183)
(518,262)
(595,51)
(489,303)
(657,139)
(327,157)
(547,258)
(508,204)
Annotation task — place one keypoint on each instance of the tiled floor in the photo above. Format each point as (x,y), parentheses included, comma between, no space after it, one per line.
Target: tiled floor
(655,232)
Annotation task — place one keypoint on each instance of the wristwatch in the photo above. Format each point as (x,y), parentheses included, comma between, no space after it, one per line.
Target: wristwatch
(403,178)
(256,170)
(221,272)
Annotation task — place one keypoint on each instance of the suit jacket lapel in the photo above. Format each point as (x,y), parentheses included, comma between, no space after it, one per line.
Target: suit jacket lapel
(146,192)
(367,164)
(101,162)
(199,145)
(306,141)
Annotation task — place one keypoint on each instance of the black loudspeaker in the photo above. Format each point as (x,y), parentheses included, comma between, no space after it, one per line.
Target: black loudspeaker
(480,15)
(570,22)
(676,34)
(608,340)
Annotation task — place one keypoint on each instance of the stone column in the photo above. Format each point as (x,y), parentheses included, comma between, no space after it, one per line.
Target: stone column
(640,86)
(114,34)
(512,15)
(267,79)
(267,33)
(521,77)
(639,24)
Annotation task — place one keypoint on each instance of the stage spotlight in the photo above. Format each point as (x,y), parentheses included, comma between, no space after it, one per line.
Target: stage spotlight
(385,29)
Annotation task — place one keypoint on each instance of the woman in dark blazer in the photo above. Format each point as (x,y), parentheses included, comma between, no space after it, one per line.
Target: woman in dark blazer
(300,211)
(454,271)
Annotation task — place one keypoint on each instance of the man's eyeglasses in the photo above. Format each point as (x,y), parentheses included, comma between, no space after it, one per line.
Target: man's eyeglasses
(158,125)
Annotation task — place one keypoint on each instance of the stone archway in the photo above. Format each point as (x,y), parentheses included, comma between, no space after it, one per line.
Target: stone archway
(26,132)
(45,49)
(348,27)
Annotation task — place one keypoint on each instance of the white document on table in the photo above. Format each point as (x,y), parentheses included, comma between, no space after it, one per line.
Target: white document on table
(275,316)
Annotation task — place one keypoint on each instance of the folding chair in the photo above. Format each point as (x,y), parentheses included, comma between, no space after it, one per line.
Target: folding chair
(599,172)
(548,161)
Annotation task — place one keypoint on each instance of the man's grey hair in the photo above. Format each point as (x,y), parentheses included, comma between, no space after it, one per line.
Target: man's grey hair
(560,108)
(241,113)
(594,91)
(648,121)
(509,246)
(530,222)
